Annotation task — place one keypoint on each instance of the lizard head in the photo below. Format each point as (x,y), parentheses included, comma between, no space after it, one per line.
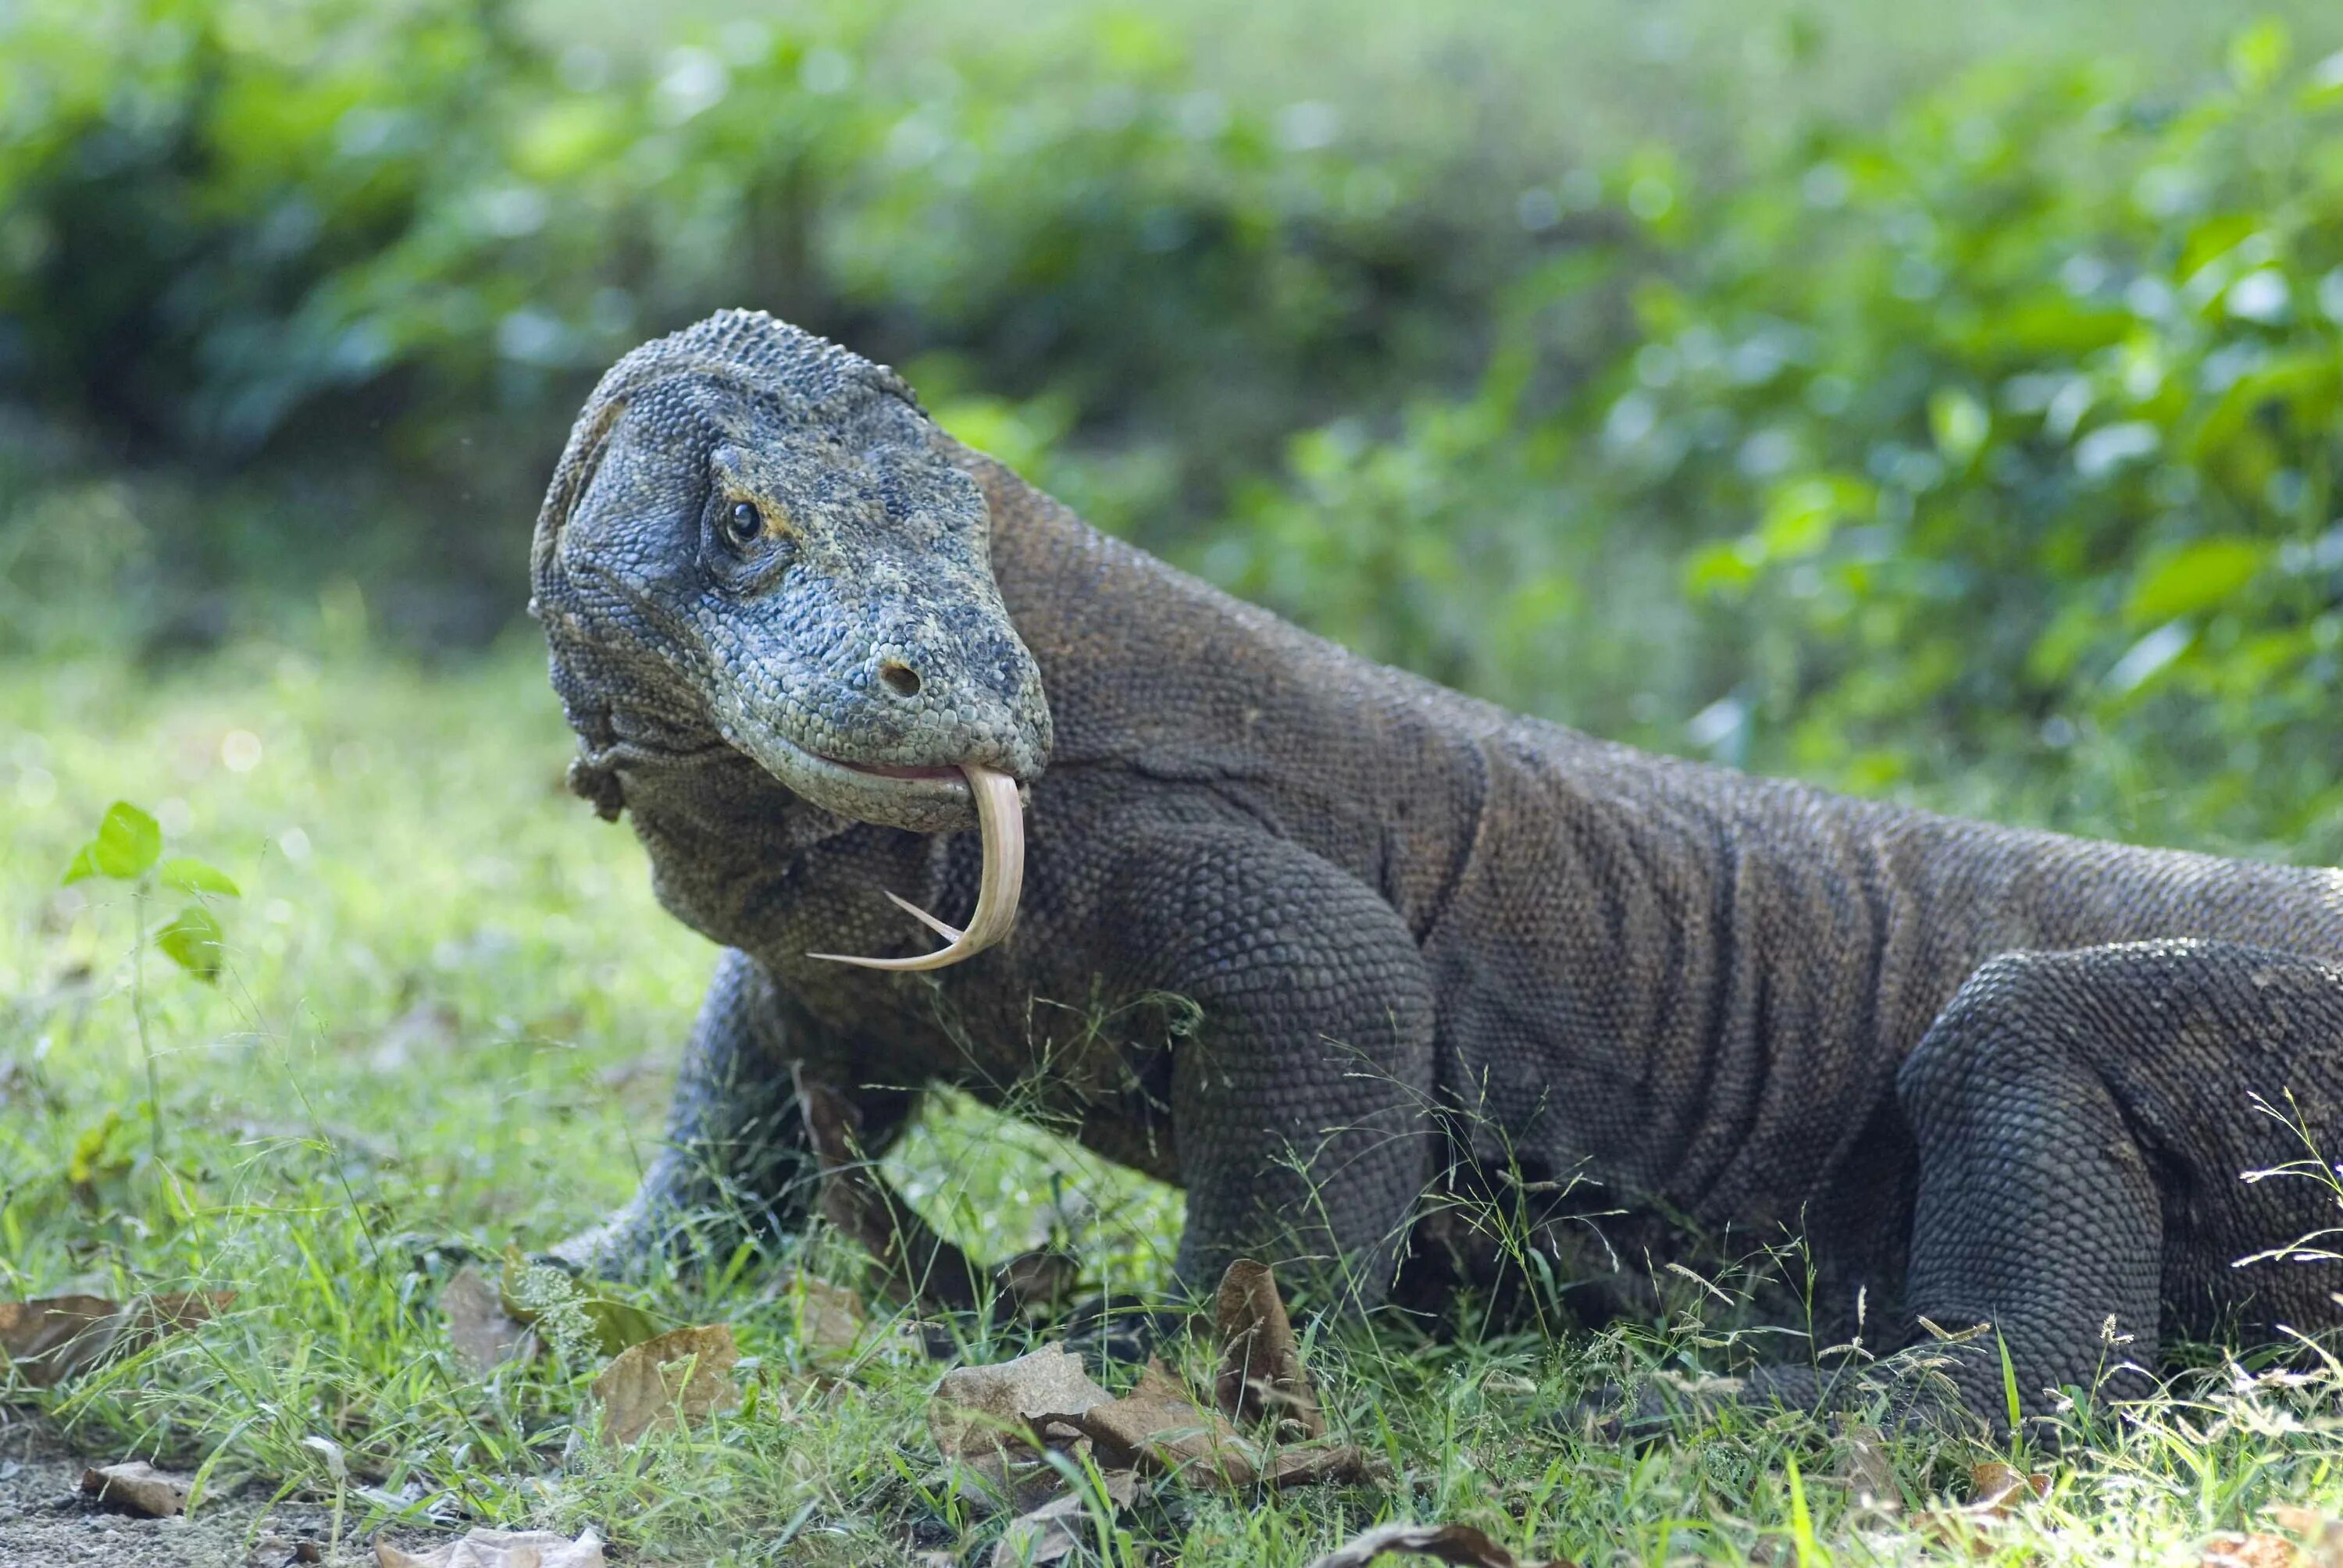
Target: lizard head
(758,540)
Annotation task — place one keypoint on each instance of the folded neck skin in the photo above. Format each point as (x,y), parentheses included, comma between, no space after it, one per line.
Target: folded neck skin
(1000,819)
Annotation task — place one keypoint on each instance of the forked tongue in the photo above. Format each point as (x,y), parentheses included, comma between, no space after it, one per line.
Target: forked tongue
(1001,822)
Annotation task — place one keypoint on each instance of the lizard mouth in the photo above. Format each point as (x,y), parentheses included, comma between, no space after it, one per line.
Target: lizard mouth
(1000,818)
(887,770)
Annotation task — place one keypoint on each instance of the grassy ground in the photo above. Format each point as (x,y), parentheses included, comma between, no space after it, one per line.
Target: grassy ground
(450,1008)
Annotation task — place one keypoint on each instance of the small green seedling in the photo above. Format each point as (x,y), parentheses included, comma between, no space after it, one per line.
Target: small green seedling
(129,848)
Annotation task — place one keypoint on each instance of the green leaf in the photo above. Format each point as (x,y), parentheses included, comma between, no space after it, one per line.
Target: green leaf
(1800,515)
(196,877)
(2258,52)
(617,1324)
(195,942)
(1810,1554)
(1959,423)
(2197,577)
(128,843)
(84,865)
(1722,570)
(2014,1406)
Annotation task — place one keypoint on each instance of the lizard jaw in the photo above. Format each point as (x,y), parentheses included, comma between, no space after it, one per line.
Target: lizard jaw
(999,816)
(921,799)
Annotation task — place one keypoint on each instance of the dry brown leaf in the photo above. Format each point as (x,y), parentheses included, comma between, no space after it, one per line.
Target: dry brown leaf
(1996,1491)
(56,1337)
(994,1418)
(1869,1479)
(1158,1429)
(1000,1410)
(2322,1535)
(138,1487)
(1326,1464)
(683,1375)
(1995,1488)
(51,1339)
(175,1312)
(1458,1543)
(484,1336)
(2254,1551)
(1260,1371)
(998,1484)
(500,1549)
(1054,1530)
(829,1317)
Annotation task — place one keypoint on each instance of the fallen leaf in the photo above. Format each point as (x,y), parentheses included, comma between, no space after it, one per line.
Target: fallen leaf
(58,1337)
(2254,1551)
(995,1418)
(1156,1426)
(1995,1488)
(999,1482)
(1458,1543)
(1864,1470)
(499,1549)
(531,1292)
(829,1317)
(51,1339)
(484,1334)
(138,1487)
(682,1375)
(173,1312)
(1996,1491)
(2322,1534)
(1158,1429)
(999,1409)
(1326,1464)
(1260,1371)
(1059,1526)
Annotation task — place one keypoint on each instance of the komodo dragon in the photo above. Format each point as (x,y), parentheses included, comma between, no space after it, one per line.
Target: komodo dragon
(805,637)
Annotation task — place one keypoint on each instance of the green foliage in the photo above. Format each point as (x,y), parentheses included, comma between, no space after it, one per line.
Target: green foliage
(127,847)
(193,940)
(127,843)
(579,1323)
(395,242)
(2034,405)
(1997,442)
(2001,442)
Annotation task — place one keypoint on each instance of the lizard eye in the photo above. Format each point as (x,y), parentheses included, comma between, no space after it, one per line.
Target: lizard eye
(744,525)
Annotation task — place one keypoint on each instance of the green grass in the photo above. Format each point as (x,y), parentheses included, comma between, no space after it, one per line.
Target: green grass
(451,1007)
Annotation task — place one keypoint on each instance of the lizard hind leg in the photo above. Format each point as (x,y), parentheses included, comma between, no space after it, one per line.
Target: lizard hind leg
(2084,1120)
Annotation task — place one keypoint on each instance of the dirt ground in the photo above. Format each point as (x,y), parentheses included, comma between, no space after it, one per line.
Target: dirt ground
(46,1521)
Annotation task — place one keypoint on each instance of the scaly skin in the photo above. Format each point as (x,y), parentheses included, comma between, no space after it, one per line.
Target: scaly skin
(1991,1075)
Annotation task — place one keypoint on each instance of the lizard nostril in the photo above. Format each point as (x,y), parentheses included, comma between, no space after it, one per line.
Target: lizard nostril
(900,677)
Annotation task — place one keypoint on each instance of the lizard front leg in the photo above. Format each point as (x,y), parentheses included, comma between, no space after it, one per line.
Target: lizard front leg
(737,1159)
(1302,1099)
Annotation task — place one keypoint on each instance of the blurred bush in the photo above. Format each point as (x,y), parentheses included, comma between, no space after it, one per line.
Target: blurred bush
(377,252)
(1991,450)
(2000,445)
